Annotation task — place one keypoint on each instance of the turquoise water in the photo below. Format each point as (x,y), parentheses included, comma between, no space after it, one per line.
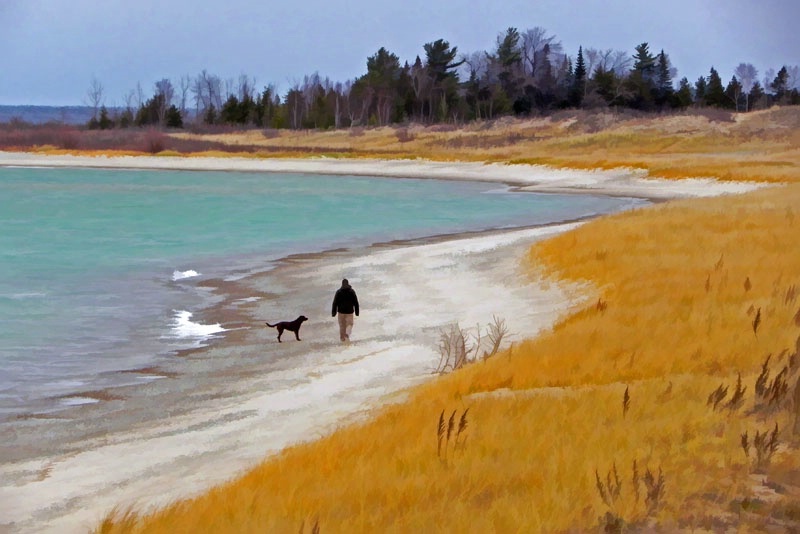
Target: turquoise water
(98,267)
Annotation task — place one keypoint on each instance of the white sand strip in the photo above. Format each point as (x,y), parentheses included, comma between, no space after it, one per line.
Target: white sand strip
(619,182)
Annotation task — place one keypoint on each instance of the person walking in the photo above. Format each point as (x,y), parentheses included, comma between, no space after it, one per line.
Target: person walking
(345,303)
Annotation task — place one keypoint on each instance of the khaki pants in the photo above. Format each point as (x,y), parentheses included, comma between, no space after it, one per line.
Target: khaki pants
(345,325)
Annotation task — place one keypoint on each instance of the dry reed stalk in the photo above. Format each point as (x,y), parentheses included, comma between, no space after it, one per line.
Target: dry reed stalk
(626,402)
(717,396)
(765,446)
(462,426)
(737,398)
(778,388)
(763,377)
(655,489)
(440,434)
(757,322)
(450,425)
(796,399)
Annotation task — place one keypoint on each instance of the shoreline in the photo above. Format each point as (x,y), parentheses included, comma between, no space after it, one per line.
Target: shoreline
(536,178)
(250,406)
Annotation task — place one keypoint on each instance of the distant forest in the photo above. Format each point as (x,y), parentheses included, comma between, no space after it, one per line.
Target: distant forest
(527,73)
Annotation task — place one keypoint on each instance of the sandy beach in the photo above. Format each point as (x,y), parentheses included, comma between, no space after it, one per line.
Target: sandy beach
(193,438)
(620,182)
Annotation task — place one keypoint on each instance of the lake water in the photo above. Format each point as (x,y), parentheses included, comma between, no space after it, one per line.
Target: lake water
(100,269)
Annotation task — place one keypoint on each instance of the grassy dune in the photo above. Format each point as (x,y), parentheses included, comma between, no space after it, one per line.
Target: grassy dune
(610,419)
(762,146)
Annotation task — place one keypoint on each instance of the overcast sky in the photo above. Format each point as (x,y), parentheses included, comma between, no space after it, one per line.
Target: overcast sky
(50,50)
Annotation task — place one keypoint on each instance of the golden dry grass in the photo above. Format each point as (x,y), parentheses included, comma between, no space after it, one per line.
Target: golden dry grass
(761,146)
(677,287)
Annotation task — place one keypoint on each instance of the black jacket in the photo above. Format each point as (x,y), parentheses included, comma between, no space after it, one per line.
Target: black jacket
(345,301)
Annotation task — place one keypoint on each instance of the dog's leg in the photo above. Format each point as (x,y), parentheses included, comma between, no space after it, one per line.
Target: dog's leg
(280,333)
(297,334)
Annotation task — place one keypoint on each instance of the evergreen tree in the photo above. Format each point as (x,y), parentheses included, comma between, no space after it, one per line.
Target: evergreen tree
(441,64)
(757,96)
(641,81)
(173,118)
(734,92)
(578,90)
(683,97)
(383,73)
(715,92)
(644,61)
(126,118)
(700,88)
(664,89)
(509,60)
(607,83)
(149,112)
(780,84)
(104,123)
(229,114)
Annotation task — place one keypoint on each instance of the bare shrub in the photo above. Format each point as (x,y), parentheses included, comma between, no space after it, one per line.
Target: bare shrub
(714,114)
(270,133)
(443,127)
(403,135)
(68,139)
(154,141)
(497,331)
(453,349)
(456,349)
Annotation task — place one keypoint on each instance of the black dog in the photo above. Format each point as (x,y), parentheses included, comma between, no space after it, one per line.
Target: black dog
(291,326)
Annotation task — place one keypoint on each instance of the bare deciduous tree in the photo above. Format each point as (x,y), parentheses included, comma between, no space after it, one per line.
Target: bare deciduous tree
(185,84)
(165,94)
(747,75)
(536,43)
(95,96)
(793,81)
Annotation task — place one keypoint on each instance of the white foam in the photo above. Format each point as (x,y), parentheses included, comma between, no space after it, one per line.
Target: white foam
(78,401)
(247,300)
(181,275)
(183,327)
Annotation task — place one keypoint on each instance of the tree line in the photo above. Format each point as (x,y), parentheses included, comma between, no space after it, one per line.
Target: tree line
(526,73)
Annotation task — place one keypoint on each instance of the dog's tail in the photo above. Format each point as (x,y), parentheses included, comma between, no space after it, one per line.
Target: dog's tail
(272,325)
